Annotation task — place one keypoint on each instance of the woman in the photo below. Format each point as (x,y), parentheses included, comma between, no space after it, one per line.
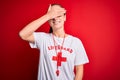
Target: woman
(59,51)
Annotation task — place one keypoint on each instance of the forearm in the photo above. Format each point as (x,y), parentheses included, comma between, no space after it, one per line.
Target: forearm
(27,32)
(79,72)
(33,26)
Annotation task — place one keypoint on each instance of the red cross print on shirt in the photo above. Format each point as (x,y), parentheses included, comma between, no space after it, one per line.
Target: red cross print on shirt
(59,58)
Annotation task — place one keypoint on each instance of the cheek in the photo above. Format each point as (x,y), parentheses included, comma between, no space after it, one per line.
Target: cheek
(63,19)
(50,22)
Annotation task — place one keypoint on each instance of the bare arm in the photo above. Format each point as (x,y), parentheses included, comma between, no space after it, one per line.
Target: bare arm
(27,32)
(79,72)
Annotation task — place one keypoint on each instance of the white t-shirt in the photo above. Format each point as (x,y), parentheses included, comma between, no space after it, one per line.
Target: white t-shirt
(72,50)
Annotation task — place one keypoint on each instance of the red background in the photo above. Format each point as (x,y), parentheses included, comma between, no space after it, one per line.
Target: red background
(95,22)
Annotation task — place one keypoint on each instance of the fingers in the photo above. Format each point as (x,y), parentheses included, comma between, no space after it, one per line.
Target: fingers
(61,10)
(54,11)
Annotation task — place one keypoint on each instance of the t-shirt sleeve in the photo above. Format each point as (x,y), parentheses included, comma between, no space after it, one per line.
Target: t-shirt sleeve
(38,39)
(81,56)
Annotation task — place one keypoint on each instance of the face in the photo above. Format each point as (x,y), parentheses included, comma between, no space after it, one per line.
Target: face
(57,22)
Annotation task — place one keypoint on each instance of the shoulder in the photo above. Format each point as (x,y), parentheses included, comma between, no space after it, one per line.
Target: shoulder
(42,34)
(75,39)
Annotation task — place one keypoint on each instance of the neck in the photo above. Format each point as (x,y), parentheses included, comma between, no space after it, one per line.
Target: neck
(59,33)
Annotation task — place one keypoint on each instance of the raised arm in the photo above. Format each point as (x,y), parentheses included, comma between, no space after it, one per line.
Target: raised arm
(27,32)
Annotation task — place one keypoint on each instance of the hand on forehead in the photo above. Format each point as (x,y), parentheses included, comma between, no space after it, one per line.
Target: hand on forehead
(55,11)
(57,7)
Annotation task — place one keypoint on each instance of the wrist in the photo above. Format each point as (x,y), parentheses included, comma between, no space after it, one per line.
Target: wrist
(48,16)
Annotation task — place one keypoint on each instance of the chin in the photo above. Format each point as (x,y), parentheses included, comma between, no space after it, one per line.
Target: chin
(57,27)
